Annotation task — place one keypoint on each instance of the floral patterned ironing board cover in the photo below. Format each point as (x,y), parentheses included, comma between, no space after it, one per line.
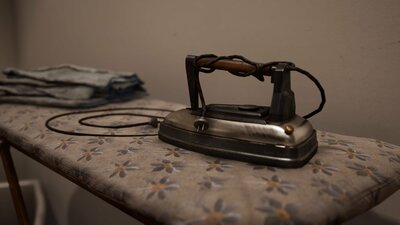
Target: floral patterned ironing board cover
(170,185)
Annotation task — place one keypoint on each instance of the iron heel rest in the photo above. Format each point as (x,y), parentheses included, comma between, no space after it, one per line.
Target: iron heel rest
(272,135)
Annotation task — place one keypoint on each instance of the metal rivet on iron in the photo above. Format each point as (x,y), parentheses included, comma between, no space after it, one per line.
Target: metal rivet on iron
(288,129)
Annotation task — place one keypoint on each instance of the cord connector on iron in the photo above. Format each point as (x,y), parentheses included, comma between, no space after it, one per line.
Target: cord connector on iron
(201,124)
(154,122)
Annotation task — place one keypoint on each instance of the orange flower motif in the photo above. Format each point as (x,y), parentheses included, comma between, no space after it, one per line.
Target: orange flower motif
(220,214)
(168,166)
(278,213)
(121,169)
(275,183)
(367,171)
(351,154)
(161,187)
(89,153)
(218,165)
(317,166)
(65,142)
(177,152)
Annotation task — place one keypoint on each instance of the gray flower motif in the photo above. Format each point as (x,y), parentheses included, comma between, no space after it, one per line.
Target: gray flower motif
(11,119)
(35,117)
(57,123)
(353,154)
(176,152)
(218,165)
(99,140)
(386,152)
(137,140)
(276,183)
(77,130)
(65,142)
(89,153)
(112,131)
(121,169)
(338,194)
(127,118)
(382,144)
(391,156)
(69,117)
(317,166)
(209,183)
(395,158)
(280,214)
(25,126)
(25,112)
(161,187)
(320,183)
(220,214)
(42,134)
(126,150)
(168,166)
(367,171)
(332,141)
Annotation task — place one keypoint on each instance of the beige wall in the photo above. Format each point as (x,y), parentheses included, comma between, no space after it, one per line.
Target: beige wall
(353,47)
(8,49)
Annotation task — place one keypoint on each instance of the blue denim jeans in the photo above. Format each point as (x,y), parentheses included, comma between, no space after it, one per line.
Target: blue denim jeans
(68,86)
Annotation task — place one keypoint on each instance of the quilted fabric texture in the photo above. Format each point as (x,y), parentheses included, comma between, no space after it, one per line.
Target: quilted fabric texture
(347,176)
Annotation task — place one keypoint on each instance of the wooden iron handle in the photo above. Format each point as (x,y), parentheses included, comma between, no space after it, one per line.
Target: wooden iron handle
(229,65)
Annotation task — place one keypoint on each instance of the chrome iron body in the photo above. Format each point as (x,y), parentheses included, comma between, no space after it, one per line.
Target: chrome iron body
(270,135)
(258,143)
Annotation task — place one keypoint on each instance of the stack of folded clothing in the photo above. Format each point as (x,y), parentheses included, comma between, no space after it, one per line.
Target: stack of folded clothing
(68,86)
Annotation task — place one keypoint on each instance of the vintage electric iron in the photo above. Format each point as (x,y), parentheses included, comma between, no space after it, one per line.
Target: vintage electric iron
(271,135)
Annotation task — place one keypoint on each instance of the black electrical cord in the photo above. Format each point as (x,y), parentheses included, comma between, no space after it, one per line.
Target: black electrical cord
(319,86)
(258,73)
(154,121)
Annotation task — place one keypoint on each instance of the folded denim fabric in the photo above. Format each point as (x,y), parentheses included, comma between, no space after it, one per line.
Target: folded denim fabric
(68,86)
(67,103)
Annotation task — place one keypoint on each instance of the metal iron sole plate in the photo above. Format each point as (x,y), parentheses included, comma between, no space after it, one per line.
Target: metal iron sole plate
(254,152)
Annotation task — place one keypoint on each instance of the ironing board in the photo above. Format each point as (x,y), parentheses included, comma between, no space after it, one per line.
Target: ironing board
(158,183)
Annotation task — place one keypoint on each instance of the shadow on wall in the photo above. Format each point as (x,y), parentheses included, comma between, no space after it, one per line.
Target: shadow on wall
(371,218)
(85,209)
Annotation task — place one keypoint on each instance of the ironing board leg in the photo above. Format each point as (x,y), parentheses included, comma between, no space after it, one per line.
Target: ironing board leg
(13,183)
